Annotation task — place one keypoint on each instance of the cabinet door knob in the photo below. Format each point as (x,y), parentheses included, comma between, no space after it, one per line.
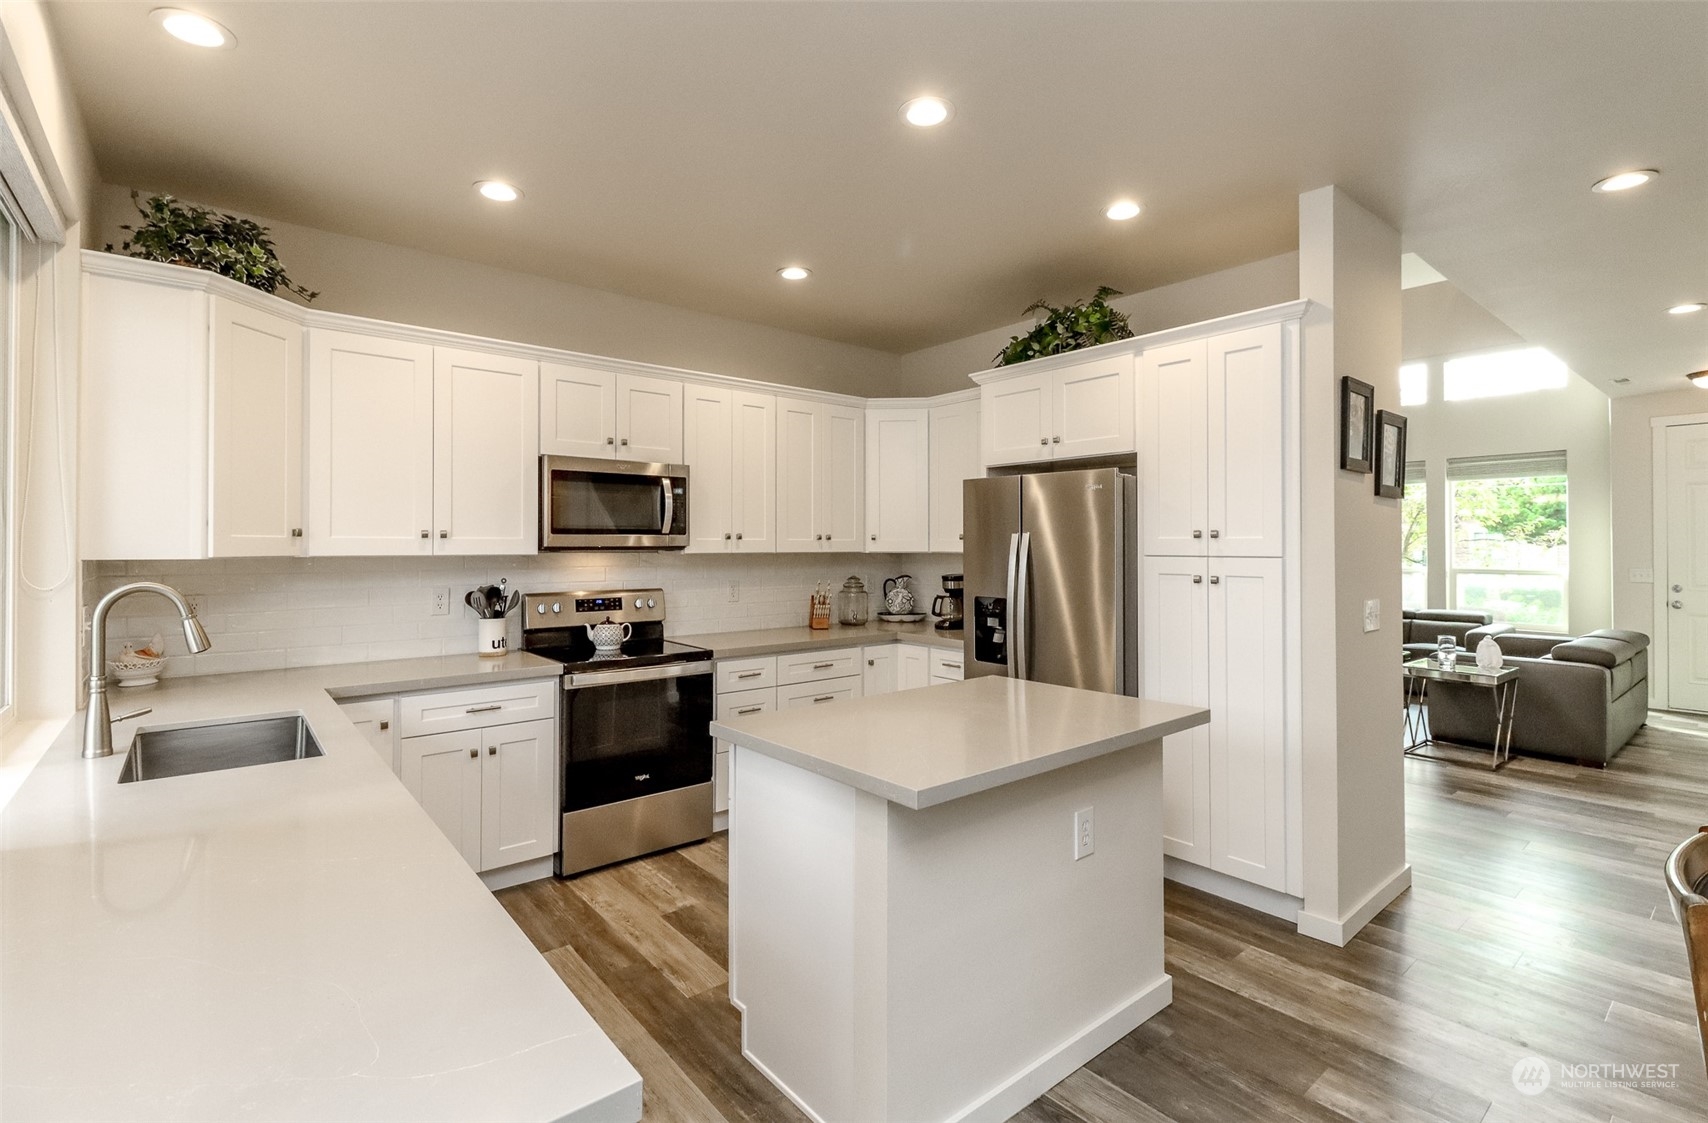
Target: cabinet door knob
(1043,440)
(624,442)
(726,536)
(874,537)
(610,440)
(444,534)
(871,662)
(1197,578)
(738,536)
(1055,440)
(1197,534)
(1678,604)
(1215,580)
(296,532)
(426,534)
(1215,534)
(492,750)
(474,752)
(960,537)
(384,725)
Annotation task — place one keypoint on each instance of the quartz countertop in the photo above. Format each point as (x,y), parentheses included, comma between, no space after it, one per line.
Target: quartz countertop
(286,941)
(920,748)
(780,641)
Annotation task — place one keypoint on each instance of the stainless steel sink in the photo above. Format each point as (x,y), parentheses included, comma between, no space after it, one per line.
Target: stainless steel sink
(158,753)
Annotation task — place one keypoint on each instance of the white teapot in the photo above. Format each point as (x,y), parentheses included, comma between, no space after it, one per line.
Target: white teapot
(609,635)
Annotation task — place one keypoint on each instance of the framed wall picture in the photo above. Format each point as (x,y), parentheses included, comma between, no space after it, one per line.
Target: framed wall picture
(1357,423)
(1390,454)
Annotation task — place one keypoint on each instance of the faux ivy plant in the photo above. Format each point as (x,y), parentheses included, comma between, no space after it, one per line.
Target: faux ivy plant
(184,234)
(1068,328)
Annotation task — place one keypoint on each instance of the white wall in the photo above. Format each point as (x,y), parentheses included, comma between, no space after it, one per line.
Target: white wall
(1353,786)
(265,613)
(1274,280)
(1631,481)
(1573,418)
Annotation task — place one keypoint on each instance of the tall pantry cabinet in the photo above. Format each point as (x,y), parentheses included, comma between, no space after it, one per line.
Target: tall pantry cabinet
(1218,425)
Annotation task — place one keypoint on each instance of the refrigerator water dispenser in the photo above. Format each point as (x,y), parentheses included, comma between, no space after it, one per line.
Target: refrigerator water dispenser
(990,630)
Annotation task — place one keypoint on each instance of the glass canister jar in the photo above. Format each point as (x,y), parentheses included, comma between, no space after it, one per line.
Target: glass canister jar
(853,602)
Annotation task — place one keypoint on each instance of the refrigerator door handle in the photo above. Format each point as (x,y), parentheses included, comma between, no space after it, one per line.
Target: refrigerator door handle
(1020,610)
(1013,620)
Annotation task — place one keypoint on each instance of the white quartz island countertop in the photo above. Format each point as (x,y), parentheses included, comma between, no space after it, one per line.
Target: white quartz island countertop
(920,748)
(288,941)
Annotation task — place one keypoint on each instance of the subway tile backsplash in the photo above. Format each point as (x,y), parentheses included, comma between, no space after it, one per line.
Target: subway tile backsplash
(266,613)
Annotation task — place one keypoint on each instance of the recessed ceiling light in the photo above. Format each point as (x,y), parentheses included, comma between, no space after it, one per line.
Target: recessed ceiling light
(1624,181)
(1122,209)
(1686,309)
(927,111)
(1699,379)
(794,272)
(194,29)
(498,191)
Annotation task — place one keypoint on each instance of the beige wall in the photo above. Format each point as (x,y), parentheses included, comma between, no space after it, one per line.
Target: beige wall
(386,282)
(1631,477)
(1573,418)
(1353,787)
(1274,280)
(46,606)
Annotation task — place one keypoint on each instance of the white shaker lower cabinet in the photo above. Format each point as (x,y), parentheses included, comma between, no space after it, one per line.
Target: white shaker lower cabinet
(882,665)
(734,704)
(370,444)
(1215,636)
(898,480)
(443,771)
(376,719)
(729,440)
(913,666)
(954,460)
(820,474)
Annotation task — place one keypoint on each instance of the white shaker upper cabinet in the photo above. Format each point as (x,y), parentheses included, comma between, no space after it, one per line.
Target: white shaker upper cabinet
(486,426)
(578,411)
(820,472)
(255,492)
(649,419)
(898,480)
(370,444)
(1248,394)
(729,439)
(1018,418)
(1173,455)
(954,460)
(1093,408)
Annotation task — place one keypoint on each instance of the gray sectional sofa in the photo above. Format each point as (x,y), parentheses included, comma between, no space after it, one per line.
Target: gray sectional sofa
(1580,699)
(1422,628)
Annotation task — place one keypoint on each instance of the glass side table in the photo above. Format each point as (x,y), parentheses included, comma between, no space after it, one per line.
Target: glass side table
(1419,673)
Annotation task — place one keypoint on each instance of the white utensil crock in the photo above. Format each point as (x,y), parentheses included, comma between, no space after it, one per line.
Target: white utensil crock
(491,640)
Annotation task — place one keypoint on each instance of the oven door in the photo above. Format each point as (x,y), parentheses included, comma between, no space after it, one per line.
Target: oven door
(635,733)
(592,504)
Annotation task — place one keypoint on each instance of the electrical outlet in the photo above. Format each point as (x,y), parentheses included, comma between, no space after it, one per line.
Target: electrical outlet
(1372,615)
(1082,846)
(734,592)
(441,602)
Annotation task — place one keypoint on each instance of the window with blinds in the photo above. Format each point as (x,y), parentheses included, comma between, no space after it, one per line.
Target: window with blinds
(1414,538)
(1509,537)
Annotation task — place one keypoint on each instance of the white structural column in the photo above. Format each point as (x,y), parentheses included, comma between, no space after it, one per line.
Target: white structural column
(1353,792)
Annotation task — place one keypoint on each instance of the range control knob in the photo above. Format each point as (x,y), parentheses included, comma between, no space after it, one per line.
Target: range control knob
(556,607)
(540,608)
(640,602)
(650,603)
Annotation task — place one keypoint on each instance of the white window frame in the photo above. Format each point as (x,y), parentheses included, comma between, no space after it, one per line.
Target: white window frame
(1454,570)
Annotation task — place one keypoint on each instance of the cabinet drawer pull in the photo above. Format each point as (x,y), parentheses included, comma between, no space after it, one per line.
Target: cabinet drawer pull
(749,674)
(484,709)
(824,698)
(822,666)
(946,663)
(750,709)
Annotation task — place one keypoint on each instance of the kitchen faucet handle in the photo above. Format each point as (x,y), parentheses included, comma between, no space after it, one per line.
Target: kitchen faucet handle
(133,713)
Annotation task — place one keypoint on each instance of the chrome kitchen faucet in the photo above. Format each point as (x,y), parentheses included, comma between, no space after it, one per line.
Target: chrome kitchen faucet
(97,724)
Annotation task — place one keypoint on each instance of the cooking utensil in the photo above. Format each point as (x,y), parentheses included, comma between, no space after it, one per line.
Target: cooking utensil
(477,602)
(513,603)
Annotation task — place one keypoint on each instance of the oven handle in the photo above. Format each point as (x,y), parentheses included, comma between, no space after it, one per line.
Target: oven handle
(639,674)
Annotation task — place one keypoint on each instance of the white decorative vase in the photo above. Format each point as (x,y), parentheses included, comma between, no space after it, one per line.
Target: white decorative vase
(1488,655)
(491,640)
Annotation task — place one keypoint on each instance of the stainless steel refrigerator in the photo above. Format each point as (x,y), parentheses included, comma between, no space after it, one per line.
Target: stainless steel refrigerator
(1051,575)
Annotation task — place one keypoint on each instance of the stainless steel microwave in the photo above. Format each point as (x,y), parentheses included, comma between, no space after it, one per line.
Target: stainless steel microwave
(592,504)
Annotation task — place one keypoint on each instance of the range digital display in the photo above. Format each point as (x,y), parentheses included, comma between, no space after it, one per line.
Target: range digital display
(599,604)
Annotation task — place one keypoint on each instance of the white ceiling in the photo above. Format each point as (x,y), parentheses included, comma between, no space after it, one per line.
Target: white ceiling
(682,152)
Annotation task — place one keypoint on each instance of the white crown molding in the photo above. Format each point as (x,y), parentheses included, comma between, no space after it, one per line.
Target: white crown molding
(1238,321)
(970,394)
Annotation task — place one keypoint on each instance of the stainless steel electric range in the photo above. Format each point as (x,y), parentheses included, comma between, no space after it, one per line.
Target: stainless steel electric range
(634,737)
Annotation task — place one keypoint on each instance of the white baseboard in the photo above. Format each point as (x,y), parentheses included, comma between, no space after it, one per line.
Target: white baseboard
(519,874)
(776,1083)
(1265,900)
(1339,932)
(1010,1097)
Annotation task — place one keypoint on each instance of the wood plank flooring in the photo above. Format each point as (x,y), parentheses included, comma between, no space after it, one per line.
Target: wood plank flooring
(1537,925)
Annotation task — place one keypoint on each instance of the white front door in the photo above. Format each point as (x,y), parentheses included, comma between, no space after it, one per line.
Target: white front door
(1686,571)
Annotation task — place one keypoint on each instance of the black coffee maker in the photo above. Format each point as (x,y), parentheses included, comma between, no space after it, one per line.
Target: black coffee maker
(948,606)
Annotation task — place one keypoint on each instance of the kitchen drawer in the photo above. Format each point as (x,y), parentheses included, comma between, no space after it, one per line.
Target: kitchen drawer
(817,693)
(743,703)
(946,665)
(478,707)
(746,674)
(814,666)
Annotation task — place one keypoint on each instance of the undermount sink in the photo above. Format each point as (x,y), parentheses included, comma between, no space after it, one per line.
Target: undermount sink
(158,753)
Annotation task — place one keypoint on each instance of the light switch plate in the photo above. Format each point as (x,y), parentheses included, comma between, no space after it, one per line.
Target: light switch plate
(1642,577)
(1372,615)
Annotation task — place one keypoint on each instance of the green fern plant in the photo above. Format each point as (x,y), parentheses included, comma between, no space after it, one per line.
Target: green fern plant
(183,234)
(1068,328)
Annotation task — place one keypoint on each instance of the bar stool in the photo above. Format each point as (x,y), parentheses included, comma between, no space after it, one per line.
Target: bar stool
(1687,883)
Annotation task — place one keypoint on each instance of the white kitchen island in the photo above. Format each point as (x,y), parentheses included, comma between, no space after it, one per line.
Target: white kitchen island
(911,934)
